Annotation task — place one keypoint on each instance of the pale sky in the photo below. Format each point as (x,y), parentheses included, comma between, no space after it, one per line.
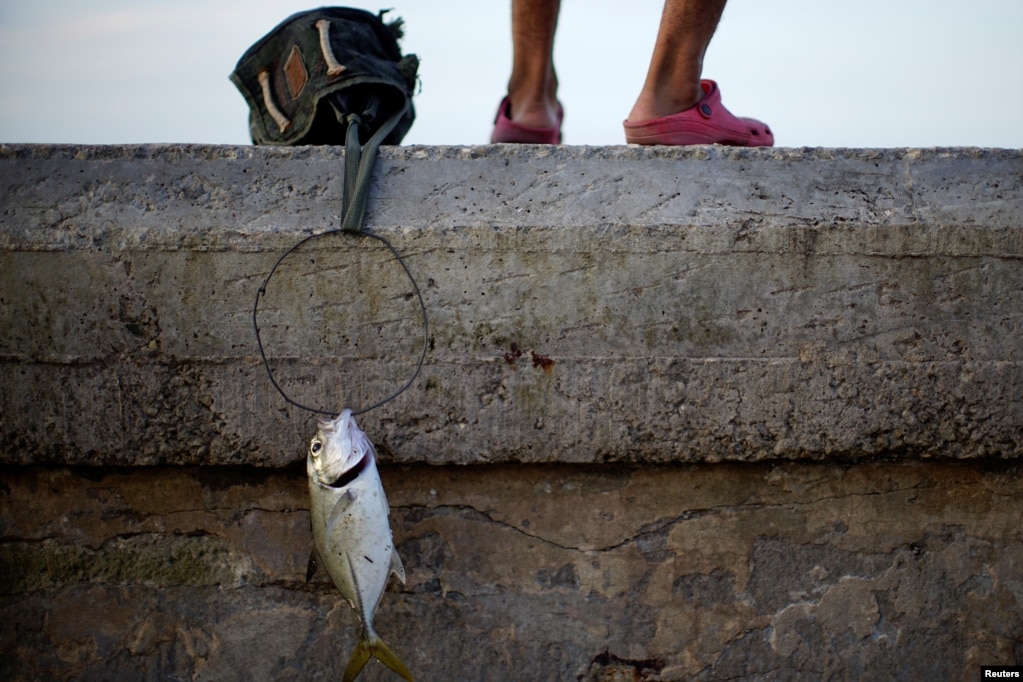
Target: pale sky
(875,73)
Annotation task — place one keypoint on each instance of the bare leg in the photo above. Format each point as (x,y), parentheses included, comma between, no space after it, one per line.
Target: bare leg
(673,79)
(533,86)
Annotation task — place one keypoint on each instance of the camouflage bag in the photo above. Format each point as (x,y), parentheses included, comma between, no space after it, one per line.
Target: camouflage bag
(333,75)
(320,70)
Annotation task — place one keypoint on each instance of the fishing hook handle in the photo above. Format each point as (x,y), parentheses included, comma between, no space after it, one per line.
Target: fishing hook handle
(357,173)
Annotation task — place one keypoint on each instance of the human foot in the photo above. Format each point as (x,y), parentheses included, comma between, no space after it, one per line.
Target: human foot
(707,122)
(533,126)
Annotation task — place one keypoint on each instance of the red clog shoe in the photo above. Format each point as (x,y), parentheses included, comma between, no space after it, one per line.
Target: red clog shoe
(507,130)
(708,122)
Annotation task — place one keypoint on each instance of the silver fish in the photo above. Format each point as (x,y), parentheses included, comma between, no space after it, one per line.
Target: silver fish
(350,529)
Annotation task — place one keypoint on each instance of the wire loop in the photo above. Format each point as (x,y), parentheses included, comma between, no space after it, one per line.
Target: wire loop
(357,173)
(422,308)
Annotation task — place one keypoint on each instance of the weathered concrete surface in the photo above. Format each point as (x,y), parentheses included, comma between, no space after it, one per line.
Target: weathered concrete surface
(910,571)
(586,304)
(590,310)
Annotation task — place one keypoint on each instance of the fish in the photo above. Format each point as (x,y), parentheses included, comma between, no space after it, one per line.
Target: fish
(351,532)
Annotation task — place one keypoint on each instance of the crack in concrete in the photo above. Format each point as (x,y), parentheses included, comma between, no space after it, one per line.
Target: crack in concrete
(234,514)
(660,525)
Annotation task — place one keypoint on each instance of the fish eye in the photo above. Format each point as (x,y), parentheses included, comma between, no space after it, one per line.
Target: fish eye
(315,446)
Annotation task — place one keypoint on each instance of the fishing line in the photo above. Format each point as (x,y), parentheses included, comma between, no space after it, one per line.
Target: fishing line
(422,310)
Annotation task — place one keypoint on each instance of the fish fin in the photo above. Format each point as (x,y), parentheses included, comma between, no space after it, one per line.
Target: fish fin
(342,504)
(374,646)
(357,661)
(396,566)
(310,568)
(313,565)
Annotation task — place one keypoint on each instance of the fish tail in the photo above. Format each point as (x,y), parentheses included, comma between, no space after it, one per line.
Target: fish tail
(373,646)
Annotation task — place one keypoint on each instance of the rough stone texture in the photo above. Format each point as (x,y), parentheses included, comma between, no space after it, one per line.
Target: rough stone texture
(787,571)
(634,350)
(586,304)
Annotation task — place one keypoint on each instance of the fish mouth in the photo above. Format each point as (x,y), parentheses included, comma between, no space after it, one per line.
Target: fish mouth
(338,423)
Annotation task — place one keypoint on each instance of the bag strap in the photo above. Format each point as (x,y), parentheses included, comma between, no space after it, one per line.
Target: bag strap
(359,167)
(357,174)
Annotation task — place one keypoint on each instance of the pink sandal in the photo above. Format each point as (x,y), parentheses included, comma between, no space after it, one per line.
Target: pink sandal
(707,122)
(507,130)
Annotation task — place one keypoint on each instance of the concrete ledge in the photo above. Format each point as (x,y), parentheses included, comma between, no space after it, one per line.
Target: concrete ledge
(586,304)
(602,306)
(905,571)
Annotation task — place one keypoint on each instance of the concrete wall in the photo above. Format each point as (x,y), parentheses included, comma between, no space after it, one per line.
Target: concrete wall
(686,413)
